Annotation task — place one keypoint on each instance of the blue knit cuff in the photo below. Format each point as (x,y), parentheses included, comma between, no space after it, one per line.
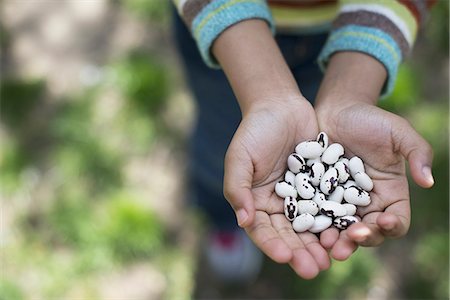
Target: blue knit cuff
(221,14)
(371,41)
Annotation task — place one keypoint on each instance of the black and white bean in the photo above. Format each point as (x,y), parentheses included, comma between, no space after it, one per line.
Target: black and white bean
(322,188)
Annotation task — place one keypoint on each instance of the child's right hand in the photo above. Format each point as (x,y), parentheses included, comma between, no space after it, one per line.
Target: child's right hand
(255,161)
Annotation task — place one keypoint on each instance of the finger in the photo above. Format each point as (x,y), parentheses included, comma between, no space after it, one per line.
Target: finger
(395,221)
(417,151)
(238,178)
(317,251)
(344,246)
(304,264)
(302,261)
(267,239)
(366,233)
(329,237)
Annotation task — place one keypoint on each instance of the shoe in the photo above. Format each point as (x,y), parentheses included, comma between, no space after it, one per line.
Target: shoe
(233,257)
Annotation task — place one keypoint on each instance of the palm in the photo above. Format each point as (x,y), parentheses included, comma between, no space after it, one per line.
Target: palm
(265,139)
(368,132)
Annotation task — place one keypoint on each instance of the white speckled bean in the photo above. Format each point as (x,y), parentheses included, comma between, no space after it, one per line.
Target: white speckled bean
(284,189)
(303,222)
(343,171)
(355,165)
(309,149)
(296,163)
(337,195)
(344,160)
(349,183)
(319,198)
(289,177)
(329,181)
(306,190)
(312,161)
(351,209)
(317,171)
(290,208)
(332,209)
(307,206)
(321,223)
(322,139)
(300,179)
(363,180)
(357,196)
(344,222)
(332,154)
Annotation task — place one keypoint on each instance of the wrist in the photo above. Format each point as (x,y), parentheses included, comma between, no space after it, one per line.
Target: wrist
(255,67)
(350,78)
(335,101)
(289,102)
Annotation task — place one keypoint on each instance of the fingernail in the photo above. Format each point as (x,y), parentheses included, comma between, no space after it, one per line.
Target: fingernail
(242,216)
(362,233)
(426,171)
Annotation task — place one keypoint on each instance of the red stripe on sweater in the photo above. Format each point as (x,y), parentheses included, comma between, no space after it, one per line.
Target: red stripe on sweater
(303,3)
(412,8)
(430,3)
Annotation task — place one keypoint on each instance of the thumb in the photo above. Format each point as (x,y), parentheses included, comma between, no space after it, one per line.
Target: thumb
(418,153)
(238,179)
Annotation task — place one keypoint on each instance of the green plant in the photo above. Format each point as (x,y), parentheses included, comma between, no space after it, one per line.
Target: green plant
(143,81)
(18,99)
(13,160)
(151,10)
(342,280)
(10,291)
(406,92)
(132,231)
(80,152)
(71,220)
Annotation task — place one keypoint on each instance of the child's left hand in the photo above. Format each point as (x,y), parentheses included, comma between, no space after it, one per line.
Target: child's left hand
(383,141)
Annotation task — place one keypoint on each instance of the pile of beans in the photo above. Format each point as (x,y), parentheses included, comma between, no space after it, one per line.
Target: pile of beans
(322,188)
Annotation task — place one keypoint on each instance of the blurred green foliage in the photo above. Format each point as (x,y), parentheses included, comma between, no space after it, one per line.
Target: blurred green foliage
(13,160)
(79,150)
(18,100)
(433,247)
(131,231)
(150,10)
(89,213)
(406,92)
(437,27)
(70,218)
(344,280)
(9,290)
(4,37)
(143,82)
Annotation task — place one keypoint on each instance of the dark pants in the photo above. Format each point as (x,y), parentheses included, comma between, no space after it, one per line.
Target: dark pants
(219,114)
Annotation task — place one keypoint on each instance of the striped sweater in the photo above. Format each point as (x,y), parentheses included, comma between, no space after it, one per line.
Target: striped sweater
(384,29)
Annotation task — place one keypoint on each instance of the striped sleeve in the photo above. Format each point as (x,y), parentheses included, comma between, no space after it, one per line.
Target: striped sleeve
(207,19)
(384,29)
